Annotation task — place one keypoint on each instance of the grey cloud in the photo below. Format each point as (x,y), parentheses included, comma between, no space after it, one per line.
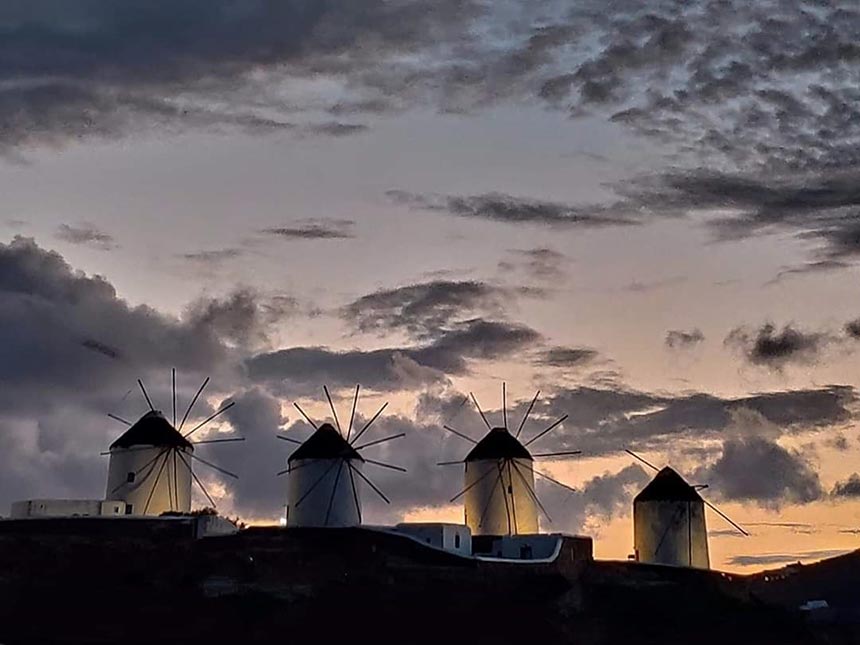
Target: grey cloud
(256,417)
(213,257)
(516,210)
(314,229)
(602,498)
(541,263)
(848,488)
(816,267)
(852,328)
(424,309)
(86,234)
(757,469)
(567,356)
(243,317)
(606,420)
(775,349)
(769,82)
(80,71)
(72,347)
(680,339)
(814,205)
(784,558)
(393,369)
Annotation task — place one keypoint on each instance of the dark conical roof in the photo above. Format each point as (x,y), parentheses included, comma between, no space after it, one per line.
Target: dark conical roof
(668,486)
(325,443)
(498,443)
(152,429)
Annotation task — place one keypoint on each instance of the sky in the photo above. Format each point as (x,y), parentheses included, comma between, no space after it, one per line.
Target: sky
(646,211)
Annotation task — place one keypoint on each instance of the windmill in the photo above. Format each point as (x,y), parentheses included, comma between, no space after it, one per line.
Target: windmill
(150,466)
(322,471)
(499,476)
(669,521)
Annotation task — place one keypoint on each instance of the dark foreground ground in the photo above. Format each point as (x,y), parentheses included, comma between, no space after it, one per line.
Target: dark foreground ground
(359,586)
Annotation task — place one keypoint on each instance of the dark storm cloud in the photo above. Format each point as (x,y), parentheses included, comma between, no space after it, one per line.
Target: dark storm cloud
(681,339)
(516,210)
(567,356)
(848,488)
(424,309)
(314,229)
(774,348)
(393,369)
(757,469)
(86,234)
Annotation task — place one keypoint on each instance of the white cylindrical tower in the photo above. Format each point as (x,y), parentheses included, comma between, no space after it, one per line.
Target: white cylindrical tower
(499,487)
(150,468)
(321,482)
(669,523)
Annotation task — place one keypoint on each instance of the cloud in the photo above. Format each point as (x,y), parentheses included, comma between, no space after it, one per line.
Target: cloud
(540,263)
(425,309)
(256,417)
(213,257)
(392,369)
(599,499)
(817,205)
(314,229)
(852,328)
(680,339)
(243,318)
(500,207)
(71,72)
(567,356)
(86,234)
(605,420)
(777,349)
(848,488)
(784,558)
(760,470)
(72,347)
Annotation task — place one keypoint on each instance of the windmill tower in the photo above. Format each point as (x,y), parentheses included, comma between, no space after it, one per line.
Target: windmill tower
(322,471)
(147,468)
(150,466)
(669,524)
(499,477)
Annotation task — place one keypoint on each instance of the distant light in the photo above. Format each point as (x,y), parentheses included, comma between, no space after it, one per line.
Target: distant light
(283,521)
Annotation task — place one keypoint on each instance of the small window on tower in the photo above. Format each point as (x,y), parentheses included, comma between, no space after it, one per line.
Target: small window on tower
(457,541)
(130,478)
(129,508)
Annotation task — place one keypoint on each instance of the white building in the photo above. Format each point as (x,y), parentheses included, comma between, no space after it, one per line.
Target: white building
(455,538)
(67,508)
(150,468)
(321,482)
(499,485)
(669,523)
(536,547)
